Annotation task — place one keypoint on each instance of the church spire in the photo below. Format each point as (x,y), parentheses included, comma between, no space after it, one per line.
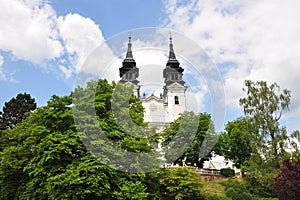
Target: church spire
(129,72)
(129,55)
(171,53)
(173,72)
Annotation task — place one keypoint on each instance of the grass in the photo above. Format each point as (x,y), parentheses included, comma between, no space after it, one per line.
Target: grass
(214,187)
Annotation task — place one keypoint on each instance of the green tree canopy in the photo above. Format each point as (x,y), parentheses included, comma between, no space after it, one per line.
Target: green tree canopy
(181,183)
(195,138)
(237,143)
(16,110)
(45,157)
(266,104)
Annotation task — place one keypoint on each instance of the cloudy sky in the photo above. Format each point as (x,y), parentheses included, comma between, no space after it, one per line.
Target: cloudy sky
(44,44)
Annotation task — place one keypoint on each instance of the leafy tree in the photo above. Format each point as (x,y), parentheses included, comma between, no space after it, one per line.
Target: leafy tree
(287,183)
(194,136)
(266,105)
(181,183)
(115,132)
(295,145)
(45,157)
(237,142)
(16,110)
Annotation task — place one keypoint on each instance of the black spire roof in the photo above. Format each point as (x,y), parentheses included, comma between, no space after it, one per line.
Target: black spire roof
(129,55)
(172,58)
(171,53)
(129,72)
(173,72)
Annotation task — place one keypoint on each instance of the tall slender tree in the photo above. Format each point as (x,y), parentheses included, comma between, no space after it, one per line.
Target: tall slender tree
(266,104)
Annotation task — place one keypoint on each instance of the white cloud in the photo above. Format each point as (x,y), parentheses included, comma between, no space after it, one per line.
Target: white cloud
(67,71)
(2,75)
(28,30)
(81,36)
(31,31)
(256,39)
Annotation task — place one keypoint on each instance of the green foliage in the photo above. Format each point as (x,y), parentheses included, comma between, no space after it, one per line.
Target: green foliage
(238,195)
(215,197)
(194,134)
(266,105)
(181,183)
(16,110)
(111,126)
(237,190)
(237,142)
(227,172)
(131,190)
(261,182)
(295,146)
(45,157)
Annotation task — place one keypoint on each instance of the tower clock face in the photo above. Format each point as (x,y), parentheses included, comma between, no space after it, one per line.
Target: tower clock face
(152,107)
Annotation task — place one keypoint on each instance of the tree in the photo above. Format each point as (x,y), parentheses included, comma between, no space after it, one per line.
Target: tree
(237,142)
(109,120)
(45,157)
(287,183)
(194,137)
(16,110)
(266,105)
(181,183)
(295,145)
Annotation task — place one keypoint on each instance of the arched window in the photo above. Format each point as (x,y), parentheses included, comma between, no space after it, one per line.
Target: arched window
(176,100)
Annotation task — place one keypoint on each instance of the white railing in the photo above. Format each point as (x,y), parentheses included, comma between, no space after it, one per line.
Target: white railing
(214,172)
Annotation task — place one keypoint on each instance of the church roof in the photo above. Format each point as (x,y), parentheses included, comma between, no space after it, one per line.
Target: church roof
(172,56)
(129,55)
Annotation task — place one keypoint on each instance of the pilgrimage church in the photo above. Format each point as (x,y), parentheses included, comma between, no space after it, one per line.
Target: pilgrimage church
(159,110)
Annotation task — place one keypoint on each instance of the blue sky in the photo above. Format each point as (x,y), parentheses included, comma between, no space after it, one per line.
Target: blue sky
(115,16)
(44,43)
(112,17)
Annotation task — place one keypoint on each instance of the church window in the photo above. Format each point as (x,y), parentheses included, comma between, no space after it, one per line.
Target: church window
(128,75)
(176,100)
(174,76)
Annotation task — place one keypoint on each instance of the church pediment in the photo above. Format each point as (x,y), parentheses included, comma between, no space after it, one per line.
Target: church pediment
(176,86)
(152,98)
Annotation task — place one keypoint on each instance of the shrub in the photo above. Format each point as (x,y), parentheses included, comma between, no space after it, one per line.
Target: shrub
(227,172)
(238,195)
(215,197)
(181,183)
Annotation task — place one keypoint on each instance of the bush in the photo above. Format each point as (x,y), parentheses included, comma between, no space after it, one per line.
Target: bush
(227,172)
(181,183)
(215,197)
(235,184)
(287,184)
(238,195)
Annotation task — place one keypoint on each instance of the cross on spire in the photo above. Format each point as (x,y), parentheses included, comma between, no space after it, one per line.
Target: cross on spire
(129,51)
(171,53)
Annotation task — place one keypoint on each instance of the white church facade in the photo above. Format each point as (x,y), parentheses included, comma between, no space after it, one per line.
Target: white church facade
(159,110)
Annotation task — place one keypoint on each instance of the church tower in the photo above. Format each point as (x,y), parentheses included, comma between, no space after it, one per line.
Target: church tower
(129,72)
(174,89)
